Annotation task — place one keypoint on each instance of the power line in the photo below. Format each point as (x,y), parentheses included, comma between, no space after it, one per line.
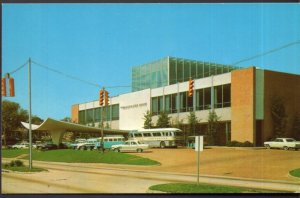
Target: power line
(268,52)
(14,71)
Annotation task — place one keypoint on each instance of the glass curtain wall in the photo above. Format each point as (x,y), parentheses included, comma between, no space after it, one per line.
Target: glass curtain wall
(94,115)
(150,75)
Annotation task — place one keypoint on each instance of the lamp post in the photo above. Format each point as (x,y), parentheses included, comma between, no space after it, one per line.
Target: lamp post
(30,131)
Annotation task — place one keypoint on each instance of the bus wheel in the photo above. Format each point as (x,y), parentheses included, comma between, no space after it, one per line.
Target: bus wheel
(162,145)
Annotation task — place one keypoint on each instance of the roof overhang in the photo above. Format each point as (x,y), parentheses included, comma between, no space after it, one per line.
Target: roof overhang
(55,125)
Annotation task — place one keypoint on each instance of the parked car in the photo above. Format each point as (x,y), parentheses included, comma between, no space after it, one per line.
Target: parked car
(76,143)
(130,145)
(21,145)
(283,143)
(47,146)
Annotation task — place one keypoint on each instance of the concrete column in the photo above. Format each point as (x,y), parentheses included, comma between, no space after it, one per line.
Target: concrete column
(57,136)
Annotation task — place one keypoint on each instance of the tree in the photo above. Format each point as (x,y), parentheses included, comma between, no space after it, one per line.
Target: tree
(66,119)
(107,126)
(296,126)
(12,115)
(163,120)
(192,121)
(213,124)
(148,120)
(279,116)
(36,120)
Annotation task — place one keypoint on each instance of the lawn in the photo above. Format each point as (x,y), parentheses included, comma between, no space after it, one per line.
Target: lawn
(11,153)
(75,156)
(295,173)
(202,188)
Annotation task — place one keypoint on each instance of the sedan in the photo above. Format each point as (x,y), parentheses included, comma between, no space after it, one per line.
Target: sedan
(129,146)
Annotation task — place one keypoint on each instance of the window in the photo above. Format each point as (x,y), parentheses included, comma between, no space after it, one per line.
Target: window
(174,103)
(226,95)
(172,67)
(193,70)
(200,70)
(199,99)
(186,66)
(90,115)
(133,143)
(82,117)
(218,96)
(115,112)
(207,98)
(138,135)
(183,101)
(290,140)
(179,70)
(155,106)
(97,114)
(126,143)
(189,103)
(147,134)
(168,103)
(156,134)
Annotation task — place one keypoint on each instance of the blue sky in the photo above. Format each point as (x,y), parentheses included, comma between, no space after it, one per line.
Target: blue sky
(101,42)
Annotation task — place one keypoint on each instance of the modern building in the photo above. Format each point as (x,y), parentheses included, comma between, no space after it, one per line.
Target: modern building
(241,97)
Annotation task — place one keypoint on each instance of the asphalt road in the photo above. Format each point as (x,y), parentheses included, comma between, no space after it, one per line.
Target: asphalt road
(101,178)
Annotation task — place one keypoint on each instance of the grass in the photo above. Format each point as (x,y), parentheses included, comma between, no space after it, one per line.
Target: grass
(295,173)
(203,188)
(11,153)
(75,156)
(23,168)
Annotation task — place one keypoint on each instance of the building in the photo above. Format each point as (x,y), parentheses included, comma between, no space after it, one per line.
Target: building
(241,97)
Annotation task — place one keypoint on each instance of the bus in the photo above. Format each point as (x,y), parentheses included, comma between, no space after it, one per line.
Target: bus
(108,141)
(160,137)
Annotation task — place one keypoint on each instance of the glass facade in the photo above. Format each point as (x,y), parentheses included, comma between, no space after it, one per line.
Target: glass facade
(203,100)
(171,70)
(94,115)
(150,75)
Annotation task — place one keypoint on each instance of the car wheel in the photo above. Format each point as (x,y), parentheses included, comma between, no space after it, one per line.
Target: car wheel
(82,148)
(139,150)
(117,150)
(285,148)
(268,146)
(162,145)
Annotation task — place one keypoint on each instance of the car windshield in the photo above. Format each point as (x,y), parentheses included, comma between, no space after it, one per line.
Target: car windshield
(290,140)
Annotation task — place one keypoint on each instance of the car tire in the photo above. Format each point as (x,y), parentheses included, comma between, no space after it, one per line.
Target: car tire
(139,150)
(116,150)
(285,148)
(82,148)
(268,146)
(162,145)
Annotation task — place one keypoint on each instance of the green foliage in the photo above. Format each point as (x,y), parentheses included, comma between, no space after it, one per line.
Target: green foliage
(163,120)
(295,173)
(296,127)
(16,163)
(279,116)
(66,119)
(177,124)
(22,168)
(148,120)
(202,188)
(12,115)
(213,125)
(192,121)
(235,143)
(107,126)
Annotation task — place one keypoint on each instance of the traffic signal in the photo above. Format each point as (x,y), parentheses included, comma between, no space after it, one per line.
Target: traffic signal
(101,98)
(3,87)
(191,87)
(106,100)
(11,87)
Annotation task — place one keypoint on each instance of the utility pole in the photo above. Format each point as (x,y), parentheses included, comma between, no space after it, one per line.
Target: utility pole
(102,118)
(30,131)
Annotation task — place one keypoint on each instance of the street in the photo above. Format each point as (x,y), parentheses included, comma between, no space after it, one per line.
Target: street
(96,178)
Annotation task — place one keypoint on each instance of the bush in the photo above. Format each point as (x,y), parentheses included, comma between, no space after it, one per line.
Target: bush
(16,163)
(235,143)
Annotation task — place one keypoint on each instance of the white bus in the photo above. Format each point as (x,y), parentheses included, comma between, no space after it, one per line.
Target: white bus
(161,137)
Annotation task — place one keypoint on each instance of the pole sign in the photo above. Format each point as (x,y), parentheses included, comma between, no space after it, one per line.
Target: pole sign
(199,143)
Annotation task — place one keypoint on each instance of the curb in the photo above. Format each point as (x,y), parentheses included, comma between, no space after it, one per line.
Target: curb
(155,192)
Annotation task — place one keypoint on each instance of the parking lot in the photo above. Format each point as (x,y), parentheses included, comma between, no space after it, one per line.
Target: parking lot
(235,162)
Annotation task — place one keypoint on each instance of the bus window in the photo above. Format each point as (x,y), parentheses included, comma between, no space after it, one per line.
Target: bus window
(105,140)
(156,134)
(147,134)
(138,135)
(131,135)
(110,140)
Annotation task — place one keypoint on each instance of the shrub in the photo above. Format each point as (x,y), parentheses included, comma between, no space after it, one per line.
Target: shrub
(16,163)
(239,144)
